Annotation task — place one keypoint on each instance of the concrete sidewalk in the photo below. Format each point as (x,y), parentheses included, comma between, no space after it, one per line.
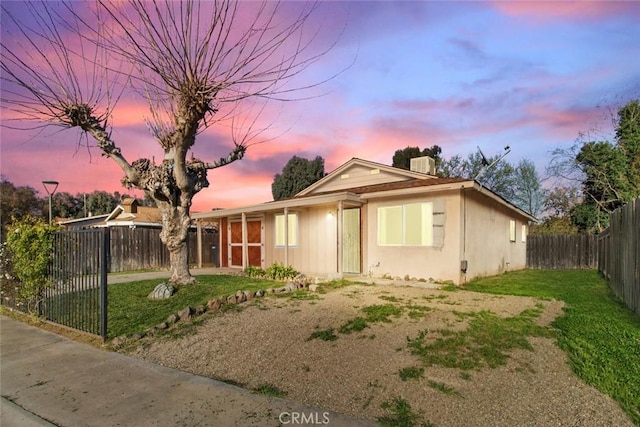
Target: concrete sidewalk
(46,379)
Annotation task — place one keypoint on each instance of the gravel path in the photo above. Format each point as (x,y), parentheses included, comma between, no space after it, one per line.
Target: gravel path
(267,343)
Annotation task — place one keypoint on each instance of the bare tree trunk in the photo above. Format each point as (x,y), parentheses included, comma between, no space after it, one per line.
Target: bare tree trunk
(175,235)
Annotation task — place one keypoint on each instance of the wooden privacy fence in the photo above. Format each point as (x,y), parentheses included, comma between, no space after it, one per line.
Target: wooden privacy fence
(560,251)
(619,254)
(140,248)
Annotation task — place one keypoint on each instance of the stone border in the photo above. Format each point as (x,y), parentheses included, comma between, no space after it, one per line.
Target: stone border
(215,304)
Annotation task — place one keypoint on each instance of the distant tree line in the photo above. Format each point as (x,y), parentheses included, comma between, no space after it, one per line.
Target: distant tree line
(20,201)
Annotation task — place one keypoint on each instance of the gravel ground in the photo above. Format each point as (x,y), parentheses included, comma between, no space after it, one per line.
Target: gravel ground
(267,343)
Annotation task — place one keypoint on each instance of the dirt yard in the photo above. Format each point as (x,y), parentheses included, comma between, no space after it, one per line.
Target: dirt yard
(271,342)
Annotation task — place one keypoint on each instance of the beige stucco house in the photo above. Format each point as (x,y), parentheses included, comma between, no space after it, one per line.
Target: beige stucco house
(365,218)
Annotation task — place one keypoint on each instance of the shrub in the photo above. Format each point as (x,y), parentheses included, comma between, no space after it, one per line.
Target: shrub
(253,271)
(29,250)
(278,271)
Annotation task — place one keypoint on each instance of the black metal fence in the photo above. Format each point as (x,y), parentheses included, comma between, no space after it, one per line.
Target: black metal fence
(77,295)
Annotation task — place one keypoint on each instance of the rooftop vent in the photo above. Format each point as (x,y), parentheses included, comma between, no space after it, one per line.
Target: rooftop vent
(423,165)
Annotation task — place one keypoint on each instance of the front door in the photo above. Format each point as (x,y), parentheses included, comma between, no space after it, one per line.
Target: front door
(351,240)
(254,243)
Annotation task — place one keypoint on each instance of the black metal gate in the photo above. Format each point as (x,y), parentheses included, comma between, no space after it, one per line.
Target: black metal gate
(77,297)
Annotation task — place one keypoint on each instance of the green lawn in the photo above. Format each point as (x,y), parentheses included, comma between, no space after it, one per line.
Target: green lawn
(599,333)
(130,311)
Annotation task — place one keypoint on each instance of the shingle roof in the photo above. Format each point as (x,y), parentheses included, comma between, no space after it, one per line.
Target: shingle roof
(412,183)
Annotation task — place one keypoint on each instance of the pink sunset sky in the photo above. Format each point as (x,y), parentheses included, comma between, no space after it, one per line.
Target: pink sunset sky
(531,75)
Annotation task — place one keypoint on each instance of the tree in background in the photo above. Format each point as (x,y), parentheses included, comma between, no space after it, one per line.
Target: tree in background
(194,64)
(499,178)
(520,185)
(608,173)
(296,175)
(559,204)
(66,205)
(17,202)
(402,158)
(101,202)
(528,193)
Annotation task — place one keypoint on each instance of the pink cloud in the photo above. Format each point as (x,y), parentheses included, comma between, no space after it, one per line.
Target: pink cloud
(540,11)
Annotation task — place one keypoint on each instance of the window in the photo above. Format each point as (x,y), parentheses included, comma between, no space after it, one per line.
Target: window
(292,220)
(512,231)
(406,225)
(524,233)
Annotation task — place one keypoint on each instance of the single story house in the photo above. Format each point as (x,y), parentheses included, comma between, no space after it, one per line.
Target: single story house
(366,218)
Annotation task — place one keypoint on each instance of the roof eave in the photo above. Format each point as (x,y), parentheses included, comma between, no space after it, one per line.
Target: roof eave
(281,204)
(416,190)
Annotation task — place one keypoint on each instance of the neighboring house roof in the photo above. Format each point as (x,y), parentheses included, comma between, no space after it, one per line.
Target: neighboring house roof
(128,213)
(89,221)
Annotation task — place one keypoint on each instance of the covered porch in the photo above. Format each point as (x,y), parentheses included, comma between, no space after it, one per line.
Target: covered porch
(320,234)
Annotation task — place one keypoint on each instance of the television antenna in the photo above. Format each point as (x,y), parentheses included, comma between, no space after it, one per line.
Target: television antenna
(485,162)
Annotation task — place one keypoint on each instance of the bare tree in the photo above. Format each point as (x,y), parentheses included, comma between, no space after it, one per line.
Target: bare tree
(194,64)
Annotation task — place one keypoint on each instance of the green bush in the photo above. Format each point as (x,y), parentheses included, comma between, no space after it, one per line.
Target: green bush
(277,271)
(29,251)
(252,271)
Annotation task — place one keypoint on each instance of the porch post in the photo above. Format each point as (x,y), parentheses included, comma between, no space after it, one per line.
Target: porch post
(199,240)
(340,232)
(244,241)
(286,236)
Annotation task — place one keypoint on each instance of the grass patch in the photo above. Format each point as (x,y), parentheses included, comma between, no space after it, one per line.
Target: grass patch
(337,284)
(417,311)
(401,414)
(324,335)
(486,341)
(465,376)
(130,311)
(297,295)
(443,388)
(269,390)
(598,332)
(353,325)
(381,312)
(411,373)
(390,298)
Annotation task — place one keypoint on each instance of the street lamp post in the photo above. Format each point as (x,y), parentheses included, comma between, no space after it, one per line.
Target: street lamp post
(50,193)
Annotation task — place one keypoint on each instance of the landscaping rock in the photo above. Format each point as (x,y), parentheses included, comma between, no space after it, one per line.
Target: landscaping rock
(231,299)
(240,297)
(118,342)
(172,319)
(162,291)
(248,295)
(201,309)
(260,293)
(290,286)
(213,305)
(163,325)
(186,313)
(313,288)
